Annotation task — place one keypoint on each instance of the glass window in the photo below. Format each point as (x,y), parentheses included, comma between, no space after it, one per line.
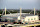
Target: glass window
(28,19)
(19,20)
(31,19)
(34,18)
(12,20)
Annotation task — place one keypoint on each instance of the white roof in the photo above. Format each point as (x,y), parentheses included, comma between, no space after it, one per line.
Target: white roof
(14,14)
(18,14)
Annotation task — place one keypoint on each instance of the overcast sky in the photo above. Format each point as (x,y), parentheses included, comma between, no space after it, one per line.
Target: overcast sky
(16,4)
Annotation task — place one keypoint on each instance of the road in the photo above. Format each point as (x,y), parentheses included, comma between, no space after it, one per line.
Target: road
(21,25)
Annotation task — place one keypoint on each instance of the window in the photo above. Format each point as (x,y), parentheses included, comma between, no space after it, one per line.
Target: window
(31,19)
(12,20)
(34,18)
(19,20)
(28,19)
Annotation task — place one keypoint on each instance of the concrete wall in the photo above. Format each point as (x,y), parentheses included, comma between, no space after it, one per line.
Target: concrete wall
(31,18)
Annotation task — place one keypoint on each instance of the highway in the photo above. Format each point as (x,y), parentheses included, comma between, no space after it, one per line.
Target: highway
(24,25)
(21,25)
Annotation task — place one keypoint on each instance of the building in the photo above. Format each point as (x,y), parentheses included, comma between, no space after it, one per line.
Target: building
(29,18)
(24,17)
(11,16)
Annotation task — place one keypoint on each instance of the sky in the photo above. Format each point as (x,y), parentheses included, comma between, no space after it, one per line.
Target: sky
(16,4)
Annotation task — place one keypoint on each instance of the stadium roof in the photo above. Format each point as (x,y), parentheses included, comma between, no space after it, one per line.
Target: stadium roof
(18,14)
